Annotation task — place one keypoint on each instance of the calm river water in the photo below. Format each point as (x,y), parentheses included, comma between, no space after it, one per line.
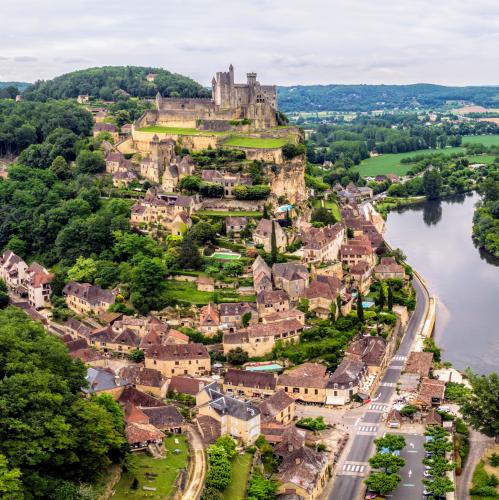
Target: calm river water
(436,237)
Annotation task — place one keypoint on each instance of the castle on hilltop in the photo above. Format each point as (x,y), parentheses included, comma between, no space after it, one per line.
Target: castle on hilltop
(230,101)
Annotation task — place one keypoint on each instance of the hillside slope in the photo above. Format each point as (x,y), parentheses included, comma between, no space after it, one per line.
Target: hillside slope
(370,97)
(108,82)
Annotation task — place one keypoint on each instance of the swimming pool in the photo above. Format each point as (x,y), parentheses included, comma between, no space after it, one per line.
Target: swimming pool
(226,255)
(285,208)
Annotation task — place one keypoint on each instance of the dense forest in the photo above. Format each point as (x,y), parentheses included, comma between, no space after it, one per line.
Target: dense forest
(371,97)
(24,124)
(111,82)
(53,441)
(486,218)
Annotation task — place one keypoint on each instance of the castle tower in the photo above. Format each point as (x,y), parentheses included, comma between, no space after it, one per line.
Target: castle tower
(231,74)
(155,149)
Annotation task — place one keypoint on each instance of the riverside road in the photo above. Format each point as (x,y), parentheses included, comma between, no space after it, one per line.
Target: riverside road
(349,479)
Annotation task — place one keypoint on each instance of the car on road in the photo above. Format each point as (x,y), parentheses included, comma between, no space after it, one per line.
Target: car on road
(427,474)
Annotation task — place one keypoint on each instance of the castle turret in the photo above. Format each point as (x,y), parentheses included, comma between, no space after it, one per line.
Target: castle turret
(251,79)
(231,74)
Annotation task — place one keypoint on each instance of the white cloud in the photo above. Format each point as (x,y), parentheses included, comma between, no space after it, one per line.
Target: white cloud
(285,41)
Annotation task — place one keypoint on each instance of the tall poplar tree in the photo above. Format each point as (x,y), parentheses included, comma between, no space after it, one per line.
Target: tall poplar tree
(273,244)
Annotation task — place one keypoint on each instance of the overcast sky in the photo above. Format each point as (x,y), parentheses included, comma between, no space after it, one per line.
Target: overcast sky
(287,42)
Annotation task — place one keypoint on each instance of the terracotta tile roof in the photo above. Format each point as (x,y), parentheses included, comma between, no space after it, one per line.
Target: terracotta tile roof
(139,375)
(431,389)
(86,355)
(185,385)
(138,398)
(140,433)
(271,297)
(371,349)
(291,439)
(306,375)
(209,316)
(210,428)
(178,351)
(433,418)
(284,315)
(302,467)
(134,415)
(164,416)
(249,379)
(273,405)
(75,345)
(389,265)
(419,362)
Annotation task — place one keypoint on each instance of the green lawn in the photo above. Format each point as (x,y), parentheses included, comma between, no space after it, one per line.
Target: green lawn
(222,213)
(186,291)
(166,469)
(390,163)
(335,209)
(254,142)
(239,477)
(178,131)
(486,140)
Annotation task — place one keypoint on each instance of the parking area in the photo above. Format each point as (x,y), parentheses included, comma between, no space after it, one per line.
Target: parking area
(411,486)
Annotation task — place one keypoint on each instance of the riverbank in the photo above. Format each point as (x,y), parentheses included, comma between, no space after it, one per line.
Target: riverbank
(436,238)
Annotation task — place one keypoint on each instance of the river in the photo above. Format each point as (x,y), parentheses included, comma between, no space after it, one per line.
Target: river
(436,237)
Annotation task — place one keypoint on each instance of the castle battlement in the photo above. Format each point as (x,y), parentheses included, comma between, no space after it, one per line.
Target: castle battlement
(229,101)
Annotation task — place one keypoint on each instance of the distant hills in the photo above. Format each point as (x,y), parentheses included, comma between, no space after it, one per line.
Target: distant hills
(372,97)
(110,82)
(20,85)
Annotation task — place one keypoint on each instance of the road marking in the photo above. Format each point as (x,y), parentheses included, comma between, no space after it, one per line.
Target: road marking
(377,407)
(411,445)
(353,468)
(408,485)
(357,422)
(412,451)
(368,428)
(409,473)
(399,358)
(387,384)
(395,367)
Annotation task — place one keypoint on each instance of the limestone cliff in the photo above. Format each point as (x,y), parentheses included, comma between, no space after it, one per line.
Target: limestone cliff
(288,179)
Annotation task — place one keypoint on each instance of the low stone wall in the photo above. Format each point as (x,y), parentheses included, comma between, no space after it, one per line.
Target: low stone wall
(232,204)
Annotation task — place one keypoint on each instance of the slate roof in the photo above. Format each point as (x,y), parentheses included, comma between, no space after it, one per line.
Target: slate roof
(290,271)
(94,294)
(348,372)
(101,379)
(227,405)
(211,429)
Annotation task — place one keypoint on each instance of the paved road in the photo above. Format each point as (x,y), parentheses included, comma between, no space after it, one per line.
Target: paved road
(349,479)
(411,487)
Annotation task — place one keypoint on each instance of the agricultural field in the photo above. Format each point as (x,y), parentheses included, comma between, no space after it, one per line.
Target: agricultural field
(155,473)
(390,163)
(486,140)
(157,129)
(254,142)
